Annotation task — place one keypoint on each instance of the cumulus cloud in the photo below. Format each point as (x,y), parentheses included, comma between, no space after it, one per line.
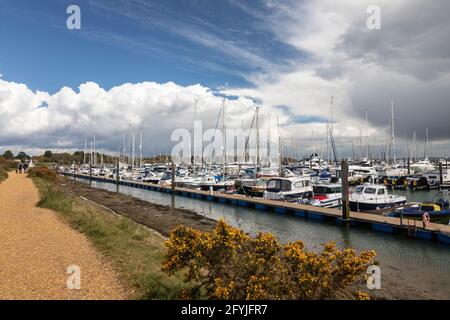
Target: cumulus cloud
(63,120)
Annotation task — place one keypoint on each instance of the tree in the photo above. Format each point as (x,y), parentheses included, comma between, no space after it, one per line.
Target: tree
(8,155)
(229,264)
(23,156)
(48,154)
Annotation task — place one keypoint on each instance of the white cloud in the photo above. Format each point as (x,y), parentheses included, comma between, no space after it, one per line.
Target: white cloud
(68,117)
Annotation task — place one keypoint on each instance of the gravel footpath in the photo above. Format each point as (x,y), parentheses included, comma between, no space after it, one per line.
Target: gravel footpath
(37,247)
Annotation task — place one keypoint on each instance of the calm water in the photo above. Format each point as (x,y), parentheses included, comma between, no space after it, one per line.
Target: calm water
(417,196)
(417,264)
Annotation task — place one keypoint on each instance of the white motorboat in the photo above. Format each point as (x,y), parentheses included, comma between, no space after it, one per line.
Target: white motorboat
(373,197)
(422,166)
(327,195)
(290,189)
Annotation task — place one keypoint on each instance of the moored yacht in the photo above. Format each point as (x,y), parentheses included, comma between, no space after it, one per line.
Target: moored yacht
(422,166)
(289,189)
(373,197)
(327,195)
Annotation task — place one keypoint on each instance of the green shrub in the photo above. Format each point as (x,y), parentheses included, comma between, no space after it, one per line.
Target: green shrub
(5,166)
(228,264)
(42,172)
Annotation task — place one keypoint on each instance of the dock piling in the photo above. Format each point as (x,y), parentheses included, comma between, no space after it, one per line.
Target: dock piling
(117,176)
(173,177)
(345,204)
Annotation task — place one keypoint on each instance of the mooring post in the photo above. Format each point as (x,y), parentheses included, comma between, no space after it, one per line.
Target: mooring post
(441,176)
(90,173)
(409,166)
(173,177)
(344,178)
(117,176)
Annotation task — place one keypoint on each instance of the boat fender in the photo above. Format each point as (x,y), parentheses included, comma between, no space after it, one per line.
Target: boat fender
(425,219)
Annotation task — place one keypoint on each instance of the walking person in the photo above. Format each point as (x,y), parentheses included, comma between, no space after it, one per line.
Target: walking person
(20,167)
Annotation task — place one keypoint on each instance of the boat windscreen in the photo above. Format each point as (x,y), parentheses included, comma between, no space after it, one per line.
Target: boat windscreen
(278,185)
(370,190)
(358,189)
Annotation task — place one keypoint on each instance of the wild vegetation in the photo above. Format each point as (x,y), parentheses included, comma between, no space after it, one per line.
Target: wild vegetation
(229,264)
(134,251)
(6,165)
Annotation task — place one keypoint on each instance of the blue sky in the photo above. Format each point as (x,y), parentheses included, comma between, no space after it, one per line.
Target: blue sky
(214,43)
(289,56)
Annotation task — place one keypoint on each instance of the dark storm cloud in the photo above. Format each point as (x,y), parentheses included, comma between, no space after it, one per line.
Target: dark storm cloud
(412,54)
(414,39)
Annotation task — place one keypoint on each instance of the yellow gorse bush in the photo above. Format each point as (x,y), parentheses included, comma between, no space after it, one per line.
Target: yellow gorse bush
(228,264)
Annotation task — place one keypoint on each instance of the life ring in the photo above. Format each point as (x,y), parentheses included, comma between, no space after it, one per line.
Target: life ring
(426,219)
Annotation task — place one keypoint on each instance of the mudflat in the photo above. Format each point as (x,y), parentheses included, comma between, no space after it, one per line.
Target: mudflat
(157,217)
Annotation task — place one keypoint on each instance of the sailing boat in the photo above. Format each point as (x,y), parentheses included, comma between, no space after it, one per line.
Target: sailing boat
(425,164)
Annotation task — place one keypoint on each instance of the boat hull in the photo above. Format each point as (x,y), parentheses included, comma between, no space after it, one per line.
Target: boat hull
(366,206)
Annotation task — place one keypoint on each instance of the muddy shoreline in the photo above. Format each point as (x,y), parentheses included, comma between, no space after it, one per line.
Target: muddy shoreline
(160,218)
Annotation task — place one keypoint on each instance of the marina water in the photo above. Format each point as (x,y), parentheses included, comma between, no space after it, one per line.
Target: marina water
(407,265)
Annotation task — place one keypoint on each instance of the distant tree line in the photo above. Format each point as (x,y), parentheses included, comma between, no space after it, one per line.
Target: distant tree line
(60,158)
(8,155)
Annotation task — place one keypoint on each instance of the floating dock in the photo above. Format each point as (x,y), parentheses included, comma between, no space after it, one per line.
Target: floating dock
(412,228)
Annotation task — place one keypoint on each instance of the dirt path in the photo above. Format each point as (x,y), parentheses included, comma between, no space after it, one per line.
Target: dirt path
(36,248)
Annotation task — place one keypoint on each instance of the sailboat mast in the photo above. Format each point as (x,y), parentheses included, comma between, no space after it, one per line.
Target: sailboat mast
(84,152)
(140,148)
(330,130)
(280,151)
(360,145)
(314,144)
(367,137)
(257,138)
(193,134)
(393,131)
(269,142)
(92,152)
(95,153)
(224,140)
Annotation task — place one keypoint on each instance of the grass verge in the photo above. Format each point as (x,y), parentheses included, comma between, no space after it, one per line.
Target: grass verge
(5,166)
(3,174)
(135,252)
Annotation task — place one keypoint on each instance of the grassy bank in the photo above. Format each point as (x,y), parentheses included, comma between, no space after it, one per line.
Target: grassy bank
(5,166)
(3,174)
(134,251)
